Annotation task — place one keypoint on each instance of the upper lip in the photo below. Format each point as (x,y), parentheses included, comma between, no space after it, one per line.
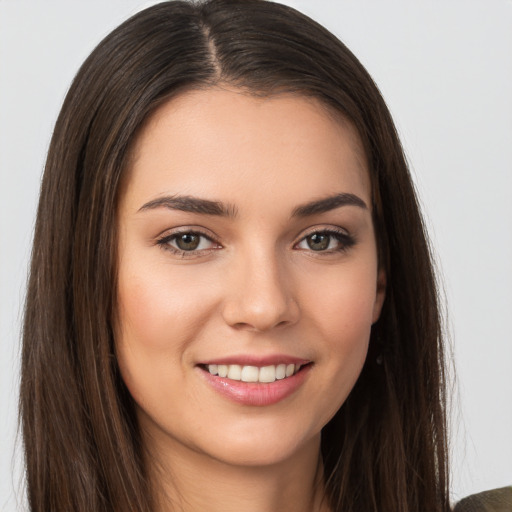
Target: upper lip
(253,360)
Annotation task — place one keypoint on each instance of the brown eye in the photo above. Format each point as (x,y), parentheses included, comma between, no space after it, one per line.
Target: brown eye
(318,241)
(327,241)
(188,241)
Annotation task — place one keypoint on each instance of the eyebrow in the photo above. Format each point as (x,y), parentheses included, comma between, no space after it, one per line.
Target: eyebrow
(327,204)
(208,207)
(191,204)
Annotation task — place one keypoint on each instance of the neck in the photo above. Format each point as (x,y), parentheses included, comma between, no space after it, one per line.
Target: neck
(187,481)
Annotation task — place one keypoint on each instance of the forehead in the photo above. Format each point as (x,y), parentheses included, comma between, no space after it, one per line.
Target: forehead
(225,141)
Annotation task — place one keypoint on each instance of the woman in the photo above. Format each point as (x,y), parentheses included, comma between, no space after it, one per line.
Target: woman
(231,301)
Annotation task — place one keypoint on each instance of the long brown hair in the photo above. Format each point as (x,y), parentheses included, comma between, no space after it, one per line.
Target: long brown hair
(386,447)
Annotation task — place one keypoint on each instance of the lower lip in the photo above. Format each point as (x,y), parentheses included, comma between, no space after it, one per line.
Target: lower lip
(255,393)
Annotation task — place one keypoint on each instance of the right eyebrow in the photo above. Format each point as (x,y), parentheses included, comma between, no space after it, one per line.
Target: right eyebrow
(191,204)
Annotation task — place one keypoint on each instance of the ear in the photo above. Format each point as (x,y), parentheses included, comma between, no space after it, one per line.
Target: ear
(380,295)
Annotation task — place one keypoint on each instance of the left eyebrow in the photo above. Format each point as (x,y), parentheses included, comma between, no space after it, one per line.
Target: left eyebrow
(327,204)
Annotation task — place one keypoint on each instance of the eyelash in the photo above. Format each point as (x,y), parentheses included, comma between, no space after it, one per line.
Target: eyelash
(345,240)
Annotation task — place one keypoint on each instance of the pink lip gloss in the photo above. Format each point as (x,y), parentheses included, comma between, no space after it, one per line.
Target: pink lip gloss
(256,393)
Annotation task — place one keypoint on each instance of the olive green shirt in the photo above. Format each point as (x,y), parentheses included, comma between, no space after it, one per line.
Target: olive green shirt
(497,500)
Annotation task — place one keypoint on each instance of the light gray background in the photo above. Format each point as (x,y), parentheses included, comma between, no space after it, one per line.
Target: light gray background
(445,69)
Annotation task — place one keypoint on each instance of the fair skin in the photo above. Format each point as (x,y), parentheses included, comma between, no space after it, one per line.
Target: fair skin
(278,270)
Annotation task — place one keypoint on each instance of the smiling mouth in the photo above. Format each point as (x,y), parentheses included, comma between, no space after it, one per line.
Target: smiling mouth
(259,374)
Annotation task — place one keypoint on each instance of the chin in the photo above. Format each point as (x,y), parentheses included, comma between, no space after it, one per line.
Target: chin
(259,445)
(264,453)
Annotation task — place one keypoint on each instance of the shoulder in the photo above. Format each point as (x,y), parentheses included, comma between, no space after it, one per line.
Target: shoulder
(497,500)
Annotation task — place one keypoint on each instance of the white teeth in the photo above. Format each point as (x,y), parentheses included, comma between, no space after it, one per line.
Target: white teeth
(234,372)
(250,374)
(280,371)
(265,374)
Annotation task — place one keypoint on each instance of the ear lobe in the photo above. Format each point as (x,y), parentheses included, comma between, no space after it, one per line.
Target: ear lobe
(380,295)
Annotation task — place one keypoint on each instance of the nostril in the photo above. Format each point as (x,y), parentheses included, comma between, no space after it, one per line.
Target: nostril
(241,326)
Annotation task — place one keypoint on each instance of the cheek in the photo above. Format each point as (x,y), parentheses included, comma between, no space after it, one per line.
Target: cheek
(157,310)
(342,304)
(340,314)
(141,334)
(158,317)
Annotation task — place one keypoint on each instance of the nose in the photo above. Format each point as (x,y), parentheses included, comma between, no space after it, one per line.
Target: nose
(260,294)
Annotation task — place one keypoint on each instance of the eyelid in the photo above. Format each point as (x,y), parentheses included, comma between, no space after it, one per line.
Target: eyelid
(323,228)
(187,229)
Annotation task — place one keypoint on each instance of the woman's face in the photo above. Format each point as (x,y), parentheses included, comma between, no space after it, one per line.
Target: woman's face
(248,274)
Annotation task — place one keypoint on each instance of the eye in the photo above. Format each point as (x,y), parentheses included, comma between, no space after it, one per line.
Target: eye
(187,242)
(326,241)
